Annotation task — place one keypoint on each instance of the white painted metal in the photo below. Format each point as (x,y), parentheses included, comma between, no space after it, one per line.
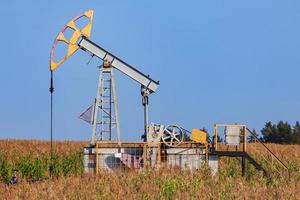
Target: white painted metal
(117,63)
(232,135)
(213,163)
(185,158)
(173,135)
(96,109)
(106,117)
(114,94)
(155,132)
(89,160)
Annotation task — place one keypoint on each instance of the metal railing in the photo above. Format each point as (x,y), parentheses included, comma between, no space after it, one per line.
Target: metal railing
(273,156)
(110,155)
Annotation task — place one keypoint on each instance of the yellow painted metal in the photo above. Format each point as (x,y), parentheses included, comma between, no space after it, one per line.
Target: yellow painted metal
(72,47)
(145,155)
(216,137)
(145,146)
(110,144)
(97,159)
(245,138)
(206,154)
(244,134)
(232,125)
(198,136)
(158,155)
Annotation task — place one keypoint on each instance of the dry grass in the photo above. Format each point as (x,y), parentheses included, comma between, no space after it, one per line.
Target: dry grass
(15,148)
(154,185)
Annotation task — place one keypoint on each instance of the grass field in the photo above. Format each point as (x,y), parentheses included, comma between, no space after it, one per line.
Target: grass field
(31,159)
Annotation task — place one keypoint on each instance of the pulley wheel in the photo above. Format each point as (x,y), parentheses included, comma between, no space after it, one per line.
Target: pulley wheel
(172,136)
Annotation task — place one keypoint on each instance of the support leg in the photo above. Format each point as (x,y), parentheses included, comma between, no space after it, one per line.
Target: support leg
(243,165)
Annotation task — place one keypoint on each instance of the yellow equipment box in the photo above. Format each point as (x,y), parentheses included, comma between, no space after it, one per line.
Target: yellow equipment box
(198,136)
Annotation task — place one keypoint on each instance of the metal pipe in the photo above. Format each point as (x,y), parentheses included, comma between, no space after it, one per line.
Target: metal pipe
(145,117)
(145,101)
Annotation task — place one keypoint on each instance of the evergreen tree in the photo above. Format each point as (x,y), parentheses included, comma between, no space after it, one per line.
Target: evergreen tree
(280,133)
(219,139)
(268,132)
(295,139)
(284,131)
(251,138)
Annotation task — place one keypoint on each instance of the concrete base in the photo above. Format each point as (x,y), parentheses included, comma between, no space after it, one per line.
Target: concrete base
(213,164)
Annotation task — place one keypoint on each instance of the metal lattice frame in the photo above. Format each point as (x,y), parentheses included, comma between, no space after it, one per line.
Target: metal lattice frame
(105,117)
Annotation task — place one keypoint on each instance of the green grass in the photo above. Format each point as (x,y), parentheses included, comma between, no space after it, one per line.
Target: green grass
(32,167)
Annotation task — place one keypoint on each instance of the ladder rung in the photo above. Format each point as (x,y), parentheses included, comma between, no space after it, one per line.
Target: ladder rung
(107,101)
(106,113)
(106,122)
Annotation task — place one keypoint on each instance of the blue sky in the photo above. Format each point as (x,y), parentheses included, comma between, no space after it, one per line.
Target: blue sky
(217,62)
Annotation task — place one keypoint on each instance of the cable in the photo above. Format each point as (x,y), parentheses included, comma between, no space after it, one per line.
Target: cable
(51,89)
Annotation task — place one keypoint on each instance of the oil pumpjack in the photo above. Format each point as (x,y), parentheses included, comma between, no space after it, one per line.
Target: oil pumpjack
(105,106)
(104,111)
(163,146)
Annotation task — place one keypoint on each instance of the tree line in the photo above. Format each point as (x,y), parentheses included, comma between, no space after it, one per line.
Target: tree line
(281,133)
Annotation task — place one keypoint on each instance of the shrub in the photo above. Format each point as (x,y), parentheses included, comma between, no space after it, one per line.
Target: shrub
(6,169)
